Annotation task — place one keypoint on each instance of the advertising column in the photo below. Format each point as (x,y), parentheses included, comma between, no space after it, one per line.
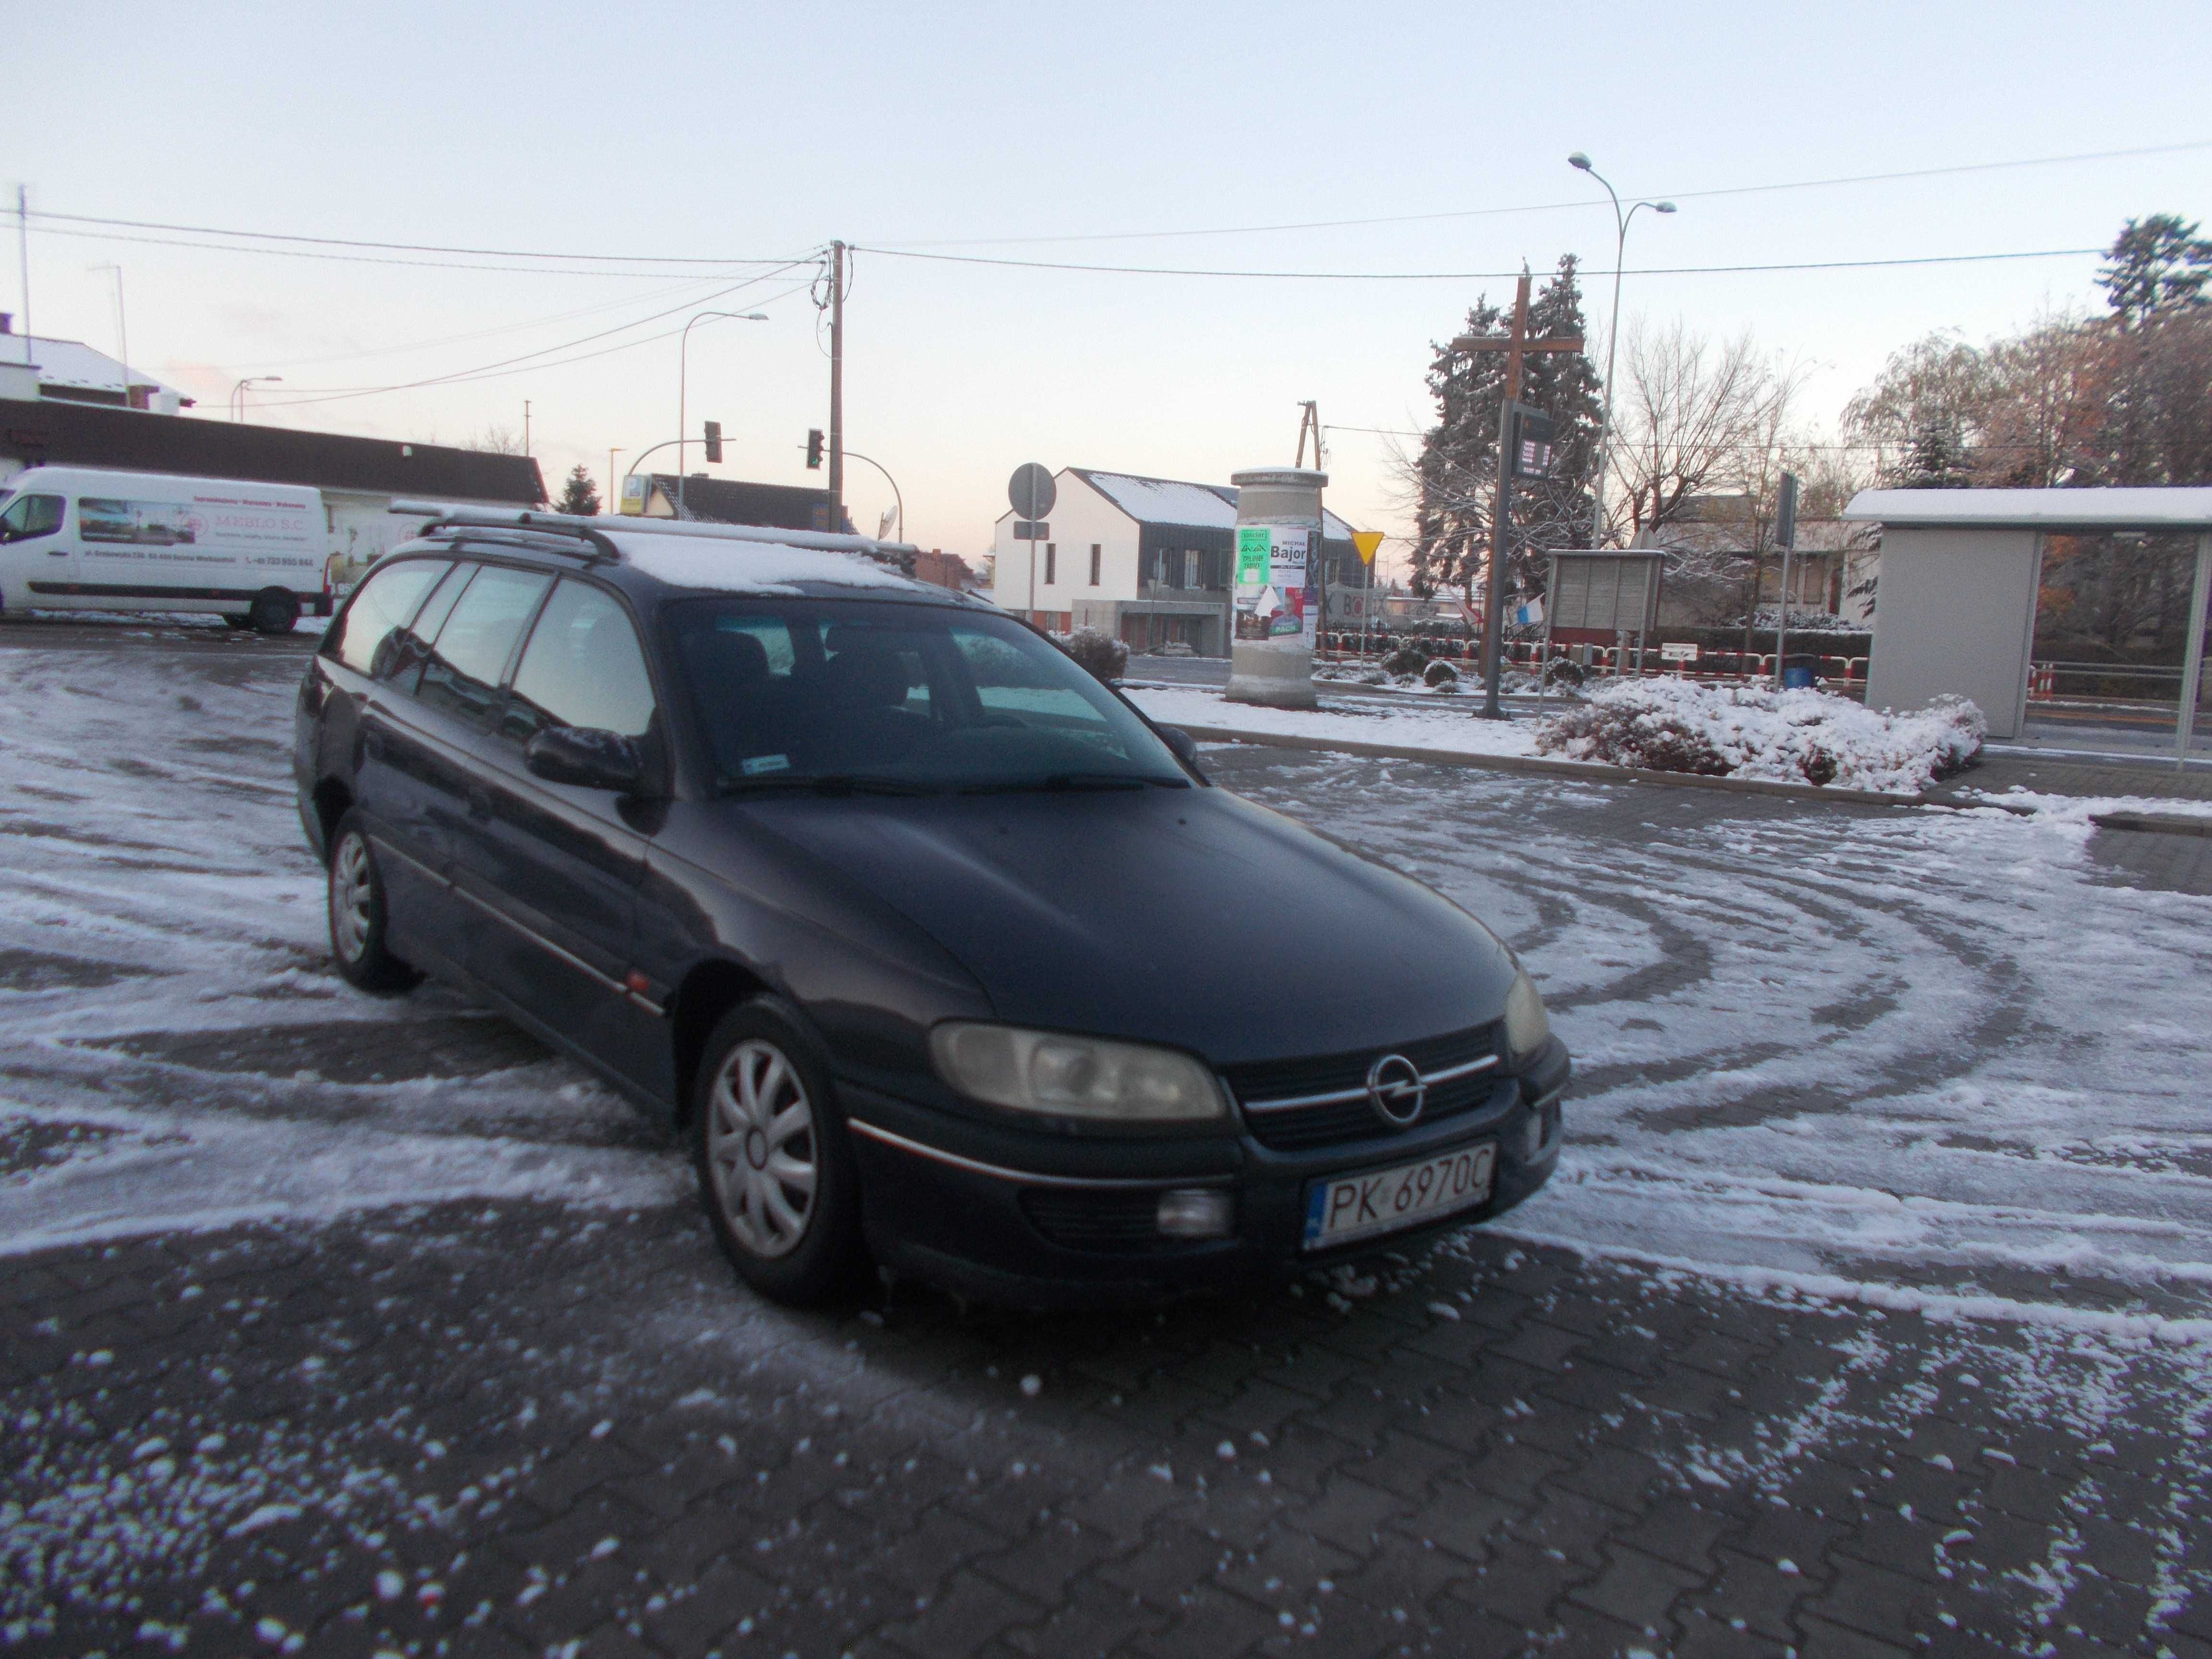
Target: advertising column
(1277,585)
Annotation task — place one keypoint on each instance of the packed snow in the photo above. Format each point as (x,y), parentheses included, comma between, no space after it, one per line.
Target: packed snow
(1948,1061)
(756,567)
(1446,726)
(1779,736)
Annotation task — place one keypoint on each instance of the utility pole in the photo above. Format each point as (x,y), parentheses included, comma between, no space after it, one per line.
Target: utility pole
(525,428)
(837,390)
(1310,422)
(23,251)
(1515,345)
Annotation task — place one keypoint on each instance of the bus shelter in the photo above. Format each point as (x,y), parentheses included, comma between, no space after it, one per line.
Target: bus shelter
(1960,568)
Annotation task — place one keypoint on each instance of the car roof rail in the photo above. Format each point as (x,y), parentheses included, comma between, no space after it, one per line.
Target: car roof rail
(598,528)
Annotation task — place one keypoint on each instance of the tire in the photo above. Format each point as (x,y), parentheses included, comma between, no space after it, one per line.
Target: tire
(358,915)
(775,1171)
(274,611)
(239,621)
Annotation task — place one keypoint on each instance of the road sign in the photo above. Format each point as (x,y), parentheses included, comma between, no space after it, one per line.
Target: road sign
(1031,490)
(1686,652)
(1785,514)
(1367,541)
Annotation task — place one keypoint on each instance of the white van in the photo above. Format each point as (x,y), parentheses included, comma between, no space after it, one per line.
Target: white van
(78,538)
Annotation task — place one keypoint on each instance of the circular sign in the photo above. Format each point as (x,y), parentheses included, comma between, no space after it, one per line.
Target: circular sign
(1031,490)
(1396,1092)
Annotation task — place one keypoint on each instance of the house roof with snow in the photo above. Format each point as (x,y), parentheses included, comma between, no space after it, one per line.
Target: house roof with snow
(1175,501)
(72,369)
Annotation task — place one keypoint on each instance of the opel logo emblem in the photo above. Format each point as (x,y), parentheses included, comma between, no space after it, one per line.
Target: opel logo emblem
(1395,1091)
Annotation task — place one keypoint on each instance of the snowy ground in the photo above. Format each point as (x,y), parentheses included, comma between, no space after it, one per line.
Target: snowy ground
(1889,1150)
(1447,725)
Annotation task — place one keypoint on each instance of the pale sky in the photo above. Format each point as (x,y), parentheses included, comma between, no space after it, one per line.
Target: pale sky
(746,132)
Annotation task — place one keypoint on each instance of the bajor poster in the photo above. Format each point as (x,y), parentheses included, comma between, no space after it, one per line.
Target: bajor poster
(1273,598)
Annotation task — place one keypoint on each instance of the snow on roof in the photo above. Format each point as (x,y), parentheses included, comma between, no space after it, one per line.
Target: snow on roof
(73,363)
(734,566)
(1171,501)
(1163,500)
(2175,508)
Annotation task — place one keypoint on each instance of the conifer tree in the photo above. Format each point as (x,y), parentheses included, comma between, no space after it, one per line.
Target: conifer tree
(1457,470)
(581,496)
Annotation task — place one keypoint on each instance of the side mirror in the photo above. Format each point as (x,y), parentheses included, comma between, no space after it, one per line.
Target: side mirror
(588,758)
(1179,740)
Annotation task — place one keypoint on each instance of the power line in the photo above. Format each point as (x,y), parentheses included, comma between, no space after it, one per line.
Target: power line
(1472,275)
(368,260)
(1580,203)
(401,247)
(525,362)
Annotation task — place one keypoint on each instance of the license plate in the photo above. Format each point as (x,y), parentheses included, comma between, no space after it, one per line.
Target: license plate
(1344,1207)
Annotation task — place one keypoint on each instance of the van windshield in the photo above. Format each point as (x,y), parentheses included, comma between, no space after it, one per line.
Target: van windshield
(841,696)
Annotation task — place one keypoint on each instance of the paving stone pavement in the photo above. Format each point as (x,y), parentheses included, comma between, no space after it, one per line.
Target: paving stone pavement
(497,1430)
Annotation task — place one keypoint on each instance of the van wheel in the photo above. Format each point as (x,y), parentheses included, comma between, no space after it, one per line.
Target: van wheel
(274,611)
(358,915)
(240,622)
(781,1191)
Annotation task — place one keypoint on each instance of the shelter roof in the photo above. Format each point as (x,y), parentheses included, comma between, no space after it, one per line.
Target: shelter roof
(2183,507)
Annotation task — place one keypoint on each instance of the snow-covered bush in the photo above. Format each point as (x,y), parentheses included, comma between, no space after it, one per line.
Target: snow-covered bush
(1440,676)
(1405,660)
(1789,737)
(1101,653)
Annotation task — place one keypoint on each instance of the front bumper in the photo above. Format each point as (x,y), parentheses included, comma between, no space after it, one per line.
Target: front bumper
(1034,1221)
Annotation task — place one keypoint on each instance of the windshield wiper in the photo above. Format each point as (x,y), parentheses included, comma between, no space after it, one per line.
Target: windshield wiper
(827,783)
(1055,782)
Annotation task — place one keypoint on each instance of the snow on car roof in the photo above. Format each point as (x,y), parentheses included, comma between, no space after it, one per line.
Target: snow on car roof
(733,565)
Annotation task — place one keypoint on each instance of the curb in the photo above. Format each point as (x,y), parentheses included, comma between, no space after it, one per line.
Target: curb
(1596,772)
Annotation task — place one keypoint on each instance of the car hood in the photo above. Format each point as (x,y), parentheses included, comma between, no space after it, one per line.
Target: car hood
(1190,917)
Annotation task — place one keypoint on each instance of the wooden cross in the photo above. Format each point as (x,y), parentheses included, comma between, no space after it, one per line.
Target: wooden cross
(1515,345)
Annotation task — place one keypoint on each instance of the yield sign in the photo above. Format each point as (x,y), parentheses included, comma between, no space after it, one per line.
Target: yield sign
(1367,541)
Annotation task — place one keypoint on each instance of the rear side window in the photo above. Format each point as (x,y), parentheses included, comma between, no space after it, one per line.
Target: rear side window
(387,600)
(463,674)
(28,517)
(582,667)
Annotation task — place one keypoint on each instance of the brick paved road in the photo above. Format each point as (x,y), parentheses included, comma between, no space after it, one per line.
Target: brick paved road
(521,1426)
(472,1431)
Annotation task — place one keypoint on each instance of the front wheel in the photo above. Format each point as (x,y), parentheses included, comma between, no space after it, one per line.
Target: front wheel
(358,915)
(777,1175)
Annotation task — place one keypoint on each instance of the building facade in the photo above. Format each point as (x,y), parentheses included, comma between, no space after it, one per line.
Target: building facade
(1148,560)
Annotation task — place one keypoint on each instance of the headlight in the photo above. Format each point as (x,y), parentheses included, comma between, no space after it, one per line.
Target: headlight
(1526,1028)
(1074,1077)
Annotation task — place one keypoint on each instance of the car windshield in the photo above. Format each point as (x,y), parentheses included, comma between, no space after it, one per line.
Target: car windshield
(844,694)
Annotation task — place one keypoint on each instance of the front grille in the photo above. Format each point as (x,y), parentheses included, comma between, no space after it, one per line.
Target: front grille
(1301,1129)
(1117,1221)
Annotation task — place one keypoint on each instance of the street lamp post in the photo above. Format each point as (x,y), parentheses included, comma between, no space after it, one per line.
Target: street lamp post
(238,392)
(855,455)
(683,366)
(1620,252)
(614,488)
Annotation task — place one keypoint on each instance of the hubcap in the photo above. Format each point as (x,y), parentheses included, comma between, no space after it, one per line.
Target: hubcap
(351,894)
(761,1147)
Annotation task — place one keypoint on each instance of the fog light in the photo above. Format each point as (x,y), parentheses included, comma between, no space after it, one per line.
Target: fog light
(1538,1131)
(1202,1213)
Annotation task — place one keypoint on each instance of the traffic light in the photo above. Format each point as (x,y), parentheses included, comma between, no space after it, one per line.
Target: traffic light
(814,446)
(713,440)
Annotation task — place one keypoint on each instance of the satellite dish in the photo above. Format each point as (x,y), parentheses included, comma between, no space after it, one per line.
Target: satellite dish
(1032,491)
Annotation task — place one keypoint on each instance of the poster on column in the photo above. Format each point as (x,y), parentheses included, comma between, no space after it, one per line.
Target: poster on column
(1274,601)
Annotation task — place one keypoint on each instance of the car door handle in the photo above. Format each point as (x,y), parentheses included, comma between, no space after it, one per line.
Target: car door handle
(58,552)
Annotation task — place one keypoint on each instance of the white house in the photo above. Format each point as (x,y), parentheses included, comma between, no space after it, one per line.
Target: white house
(1146,560)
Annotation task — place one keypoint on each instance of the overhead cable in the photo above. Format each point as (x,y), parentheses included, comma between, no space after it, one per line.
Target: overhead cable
(1468,276)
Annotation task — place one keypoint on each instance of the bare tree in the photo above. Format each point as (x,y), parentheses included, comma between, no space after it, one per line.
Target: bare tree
(497,441)
(1694,417)
(1924,414)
